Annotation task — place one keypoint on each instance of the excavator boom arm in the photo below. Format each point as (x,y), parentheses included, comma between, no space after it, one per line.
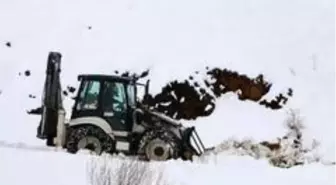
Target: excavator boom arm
(52,104)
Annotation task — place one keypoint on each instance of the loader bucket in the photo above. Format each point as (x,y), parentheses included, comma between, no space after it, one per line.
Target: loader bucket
(193,140)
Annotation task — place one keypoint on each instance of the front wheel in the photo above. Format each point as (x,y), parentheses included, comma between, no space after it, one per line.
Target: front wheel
(91,138)
(158,146)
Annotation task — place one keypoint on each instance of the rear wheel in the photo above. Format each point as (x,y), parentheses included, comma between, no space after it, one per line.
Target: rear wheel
(91,138)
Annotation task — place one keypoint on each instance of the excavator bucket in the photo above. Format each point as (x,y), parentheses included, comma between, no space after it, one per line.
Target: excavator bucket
(51,100)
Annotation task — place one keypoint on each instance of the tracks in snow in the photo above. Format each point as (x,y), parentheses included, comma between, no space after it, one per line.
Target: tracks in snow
(24,146)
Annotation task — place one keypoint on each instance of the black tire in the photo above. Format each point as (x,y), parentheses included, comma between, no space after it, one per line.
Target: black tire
(77,134)
(164,136)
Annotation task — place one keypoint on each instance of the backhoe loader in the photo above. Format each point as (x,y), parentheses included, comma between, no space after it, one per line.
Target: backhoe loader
(106,117)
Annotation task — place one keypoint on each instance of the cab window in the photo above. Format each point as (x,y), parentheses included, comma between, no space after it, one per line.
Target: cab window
(131,95)
(89,96)
(114,97)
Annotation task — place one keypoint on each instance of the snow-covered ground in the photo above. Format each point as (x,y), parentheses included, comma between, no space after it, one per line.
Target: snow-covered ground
(54,168)
(290,42)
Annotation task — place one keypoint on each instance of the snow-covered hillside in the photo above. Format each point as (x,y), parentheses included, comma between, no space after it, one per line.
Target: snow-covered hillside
(290,42)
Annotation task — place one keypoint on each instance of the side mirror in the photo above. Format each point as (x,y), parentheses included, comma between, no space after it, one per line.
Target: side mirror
(147,88)
(146,95)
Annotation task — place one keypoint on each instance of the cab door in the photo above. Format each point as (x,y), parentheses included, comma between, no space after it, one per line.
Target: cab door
(114,106)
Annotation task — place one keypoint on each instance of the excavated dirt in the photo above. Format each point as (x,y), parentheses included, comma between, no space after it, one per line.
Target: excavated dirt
(186,99)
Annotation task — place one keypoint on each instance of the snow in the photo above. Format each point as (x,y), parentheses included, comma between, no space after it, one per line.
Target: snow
(57,168)
(290,42)
(33,167)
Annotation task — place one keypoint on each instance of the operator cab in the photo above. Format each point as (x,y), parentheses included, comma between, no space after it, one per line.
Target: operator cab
(111,98)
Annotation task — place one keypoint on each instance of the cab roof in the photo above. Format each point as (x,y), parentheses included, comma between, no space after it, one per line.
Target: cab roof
(104,77)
